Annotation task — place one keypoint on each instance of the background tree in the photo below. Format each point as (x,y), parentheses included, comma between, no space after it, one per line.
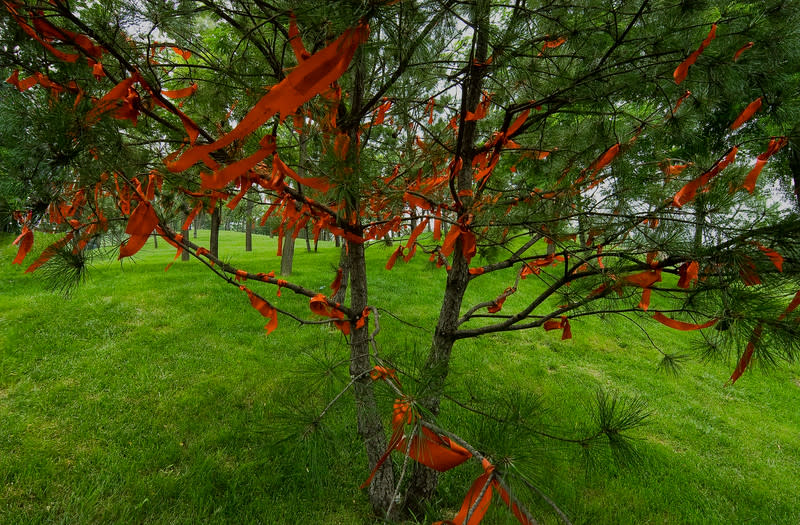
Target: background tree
(512,131)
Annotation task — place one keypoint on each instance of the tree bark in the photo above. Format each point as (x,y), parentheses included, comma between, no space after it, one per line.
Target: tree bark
(248,228)
(370,426)
(213,242)
(287,256)
(424,480)
(185,233)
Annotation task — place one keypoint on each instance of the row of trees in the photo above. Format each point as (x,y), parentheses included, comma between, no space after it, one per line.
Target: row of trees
(633,158)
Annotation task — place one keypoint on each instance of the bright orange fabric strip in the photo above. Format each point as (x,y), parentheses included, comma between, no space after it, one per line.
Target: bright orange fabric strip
(774,146)
(775,257)
(681,101)
(688,192)
(792,306)
(219,179)
(688,273)
(748,112)
(742,50)
(142,221)
(412,239)
(683,69)
(180,93)
(434,451)
(264,308)
(183,53)
(644,279)
(481,109)
(680,325)
(296,42)
(304,82)
(393,259)
(747,355)
(50,251)
(25,242)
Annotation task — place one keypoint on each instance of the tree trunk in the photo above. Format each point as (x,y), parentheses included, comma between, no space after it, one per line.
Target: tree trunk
(794,166)
(248,228)
(155,240)
(213,242)
(185,233)
(370,427)
(433,375)
(700,225)
(287,255)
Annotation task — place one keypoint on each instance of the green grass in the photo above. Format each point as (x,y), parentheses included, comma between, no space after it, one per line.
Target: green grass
(153,397)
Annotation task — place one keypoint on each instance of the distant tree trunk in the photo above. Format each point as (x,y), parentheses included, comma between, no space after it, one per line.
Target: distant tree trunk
(308,240)
(193,226)
(185,233)
(287,255)
(248,229)
(700,225)
(794,166)
(213,243)
(387,240)
(336,241)
(155,240)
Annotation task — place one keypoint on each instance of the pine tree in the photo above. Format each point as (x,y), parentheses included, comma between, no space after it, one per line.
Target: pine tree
(610,152)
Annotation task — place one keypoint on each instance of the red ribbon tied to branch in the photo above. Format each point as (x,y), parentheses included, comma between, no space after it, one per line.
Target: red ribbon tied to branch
(427,447)
(479,498)
(683,69)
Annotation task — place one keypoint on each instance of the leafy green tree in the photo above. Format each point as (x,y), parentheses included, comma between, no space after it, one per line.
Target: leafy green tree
(608,158)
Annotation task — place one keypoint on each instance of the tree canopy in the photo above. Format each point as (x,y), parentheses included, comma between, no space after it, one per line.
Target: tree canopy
(629,158)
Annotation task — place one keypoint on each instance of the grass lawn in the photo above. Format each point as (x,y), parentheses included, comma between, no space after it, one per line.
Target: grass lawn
(156,397)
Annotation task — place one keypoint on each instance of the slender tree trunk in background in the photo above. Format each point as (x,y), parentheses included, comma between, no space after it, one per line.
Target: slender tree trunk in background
(336,241)
(794,166)
(185,233)
(424,480)
(700,225)
(287,255)
(193,226)
(155,240)
(248,228)
(213,242)
(308,240)
(387,240)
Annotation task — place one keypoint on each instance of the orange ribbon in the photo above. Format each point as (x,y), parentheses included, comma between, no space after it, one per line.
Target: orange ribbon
(680,325)
(774,146)
(264,308)
(683,69)
(303,83)
(427,447)
(748,112)
(480,499)
(741,366)
(555,324)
